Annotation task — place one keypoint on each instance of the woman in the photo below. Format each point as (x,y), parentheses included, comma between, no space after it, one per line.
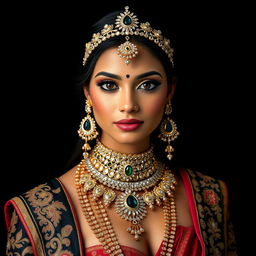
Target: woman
(123,198)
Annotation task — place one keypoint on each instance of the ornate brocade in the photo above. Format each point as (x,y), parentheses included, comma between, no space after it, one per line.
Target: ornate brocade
(46,214)
(216,230)
(17,242)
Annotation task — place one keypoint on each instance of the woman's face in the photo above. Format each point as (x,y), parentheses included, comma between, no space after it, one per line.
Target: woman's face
(118,91)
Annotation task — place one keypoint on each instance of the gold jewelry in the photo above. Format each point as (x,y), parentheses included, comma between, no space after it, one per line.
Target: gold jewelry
(118,166)
(135,108)
(124,185)
(127,50)
(97,217)
(129,204)
(127,24)
(87,130)
(168,131)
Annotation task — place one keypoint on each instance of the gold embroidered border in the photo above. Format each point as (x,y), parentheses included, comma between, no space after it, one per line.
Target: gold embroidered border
(211,206)
(188,173)
(48,213)
(75,218)
(23,211)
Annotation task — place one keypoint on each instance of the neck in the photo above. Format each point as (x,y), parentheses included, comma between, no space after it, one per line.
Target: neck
(120,166)
(126,148)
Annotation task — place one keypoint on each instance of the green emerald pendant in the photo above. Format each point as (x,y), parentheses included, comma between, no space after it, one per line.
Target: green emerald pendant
(127,20)
(128,170)
(132,201)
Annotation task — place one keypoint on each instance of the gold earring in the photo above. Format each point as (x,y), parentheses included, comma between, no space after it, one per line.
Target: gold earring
(87,130)
(168,131)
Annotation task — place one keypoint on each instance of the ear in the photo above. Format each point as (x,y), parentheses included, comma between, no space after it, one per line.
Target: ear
(171,90)
(87,93)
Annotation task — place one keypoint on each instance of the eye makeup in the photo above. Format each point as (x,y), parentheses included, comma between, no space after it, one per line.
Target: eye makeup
(148,85)
(110,86)
(107,85)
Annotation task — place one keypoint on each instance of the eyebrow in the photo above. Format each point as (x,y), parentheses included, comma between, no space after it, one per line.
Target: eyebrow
(111,75)
(150,73)
(103,73)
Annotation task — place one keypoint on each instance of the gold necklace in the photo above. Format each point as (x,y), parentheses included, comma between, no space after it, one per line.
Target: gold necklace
(123,167)
(94,196)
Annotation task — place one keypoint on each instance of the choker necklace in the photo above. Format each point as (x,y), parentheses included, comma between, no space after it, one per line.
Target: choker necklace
(123,167)
(96,191)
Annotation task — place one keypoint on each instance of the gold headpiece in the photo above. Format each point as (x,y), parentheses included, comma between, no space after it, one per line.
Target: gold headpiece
(127,24)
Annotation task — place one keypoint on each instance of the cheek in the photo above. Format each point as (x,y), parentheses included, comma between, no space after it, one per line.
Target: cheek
(101,106)
(155,108)
(155,105)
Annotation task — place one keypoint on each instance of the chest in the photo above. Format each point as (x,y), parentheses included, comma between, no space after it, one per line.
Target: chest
(153,223)
(148,243)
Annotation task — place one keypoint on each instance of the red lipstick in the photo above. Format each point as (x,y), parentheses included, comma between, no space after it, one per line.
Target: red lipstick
(128,124)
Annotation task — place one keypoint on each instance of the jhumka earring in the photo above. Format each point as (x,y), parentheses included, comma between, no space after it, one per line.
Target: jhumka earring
(87,130)
(168,131)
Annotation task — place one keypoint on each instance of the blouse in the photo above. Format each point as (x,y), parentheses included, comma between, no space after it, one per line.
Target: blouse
(186,244)
(43,221)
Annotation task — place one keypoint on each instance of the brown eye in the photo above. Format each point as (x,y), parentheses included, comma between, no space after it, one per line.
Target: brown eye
(107,85)
(149,85)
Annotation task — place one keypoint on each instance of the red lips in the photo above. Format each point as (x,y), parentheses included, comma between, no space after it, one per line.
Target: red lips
(128,121)
(128,124)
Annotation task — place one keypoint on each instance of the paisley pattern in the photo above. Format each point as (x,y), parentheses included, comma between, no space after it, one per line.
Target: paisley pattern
(17,242)
(211,202)
(48,214)
(43,211)
(41,222)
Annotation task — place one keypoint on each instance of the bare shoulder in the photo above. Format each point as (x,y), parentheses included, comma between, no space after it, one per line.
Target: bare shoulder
(68,181)
(68,176)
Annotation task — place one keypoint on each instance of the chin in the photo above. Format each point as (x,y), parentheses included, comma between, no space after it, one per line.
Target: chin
(130,138)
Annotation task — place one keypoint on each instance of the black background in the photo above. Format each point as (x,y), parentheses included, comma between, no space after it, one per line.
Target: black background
(42,49)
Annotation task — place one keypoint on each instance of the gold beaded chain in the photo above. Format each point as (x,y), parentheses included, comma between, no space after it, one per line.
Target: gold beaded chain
(99,222)
(97,217)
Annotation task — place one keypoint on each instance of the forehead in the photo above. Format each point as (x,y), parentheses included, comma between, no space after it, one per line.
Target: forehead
(110,61)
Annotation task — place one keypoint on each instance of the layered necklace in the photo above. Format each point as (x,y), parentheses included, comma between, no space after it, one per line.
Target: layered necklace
(104,172)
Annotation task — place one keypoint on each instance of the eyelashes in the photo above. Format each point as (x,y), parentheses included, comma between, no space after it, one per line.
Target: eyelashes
(107,85)
(111,86)
(149,85)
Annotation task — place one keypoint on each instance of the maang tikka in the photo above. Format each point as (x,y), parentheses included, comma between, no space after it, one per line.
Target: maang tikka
(168,130)
(87,130)
(128,25)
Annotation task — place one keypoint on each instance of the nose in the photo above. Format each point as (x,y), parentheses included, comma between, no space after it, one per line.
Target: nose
(127,101)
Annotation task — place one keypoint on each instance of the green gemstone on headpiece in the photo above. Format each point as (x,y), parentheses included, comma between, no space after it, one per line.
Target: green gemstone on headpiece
(87,125)
(127,20)
(128,170)
(131,201)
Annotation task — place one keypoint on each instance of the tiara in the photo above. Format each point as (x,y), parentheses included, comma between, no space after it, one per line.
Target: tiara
(127,24)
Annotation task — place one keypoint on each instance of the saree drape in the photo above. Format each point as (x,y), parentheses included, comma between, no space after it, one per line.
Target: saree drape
(42,221)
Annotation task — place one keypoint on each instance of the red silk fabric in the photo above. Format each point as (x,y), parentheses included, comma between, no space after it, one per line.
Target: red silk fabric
(186,244)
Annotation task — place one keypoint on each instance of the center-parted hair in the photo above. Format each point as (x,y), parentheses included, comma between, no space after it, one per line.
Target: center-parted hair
(87,70)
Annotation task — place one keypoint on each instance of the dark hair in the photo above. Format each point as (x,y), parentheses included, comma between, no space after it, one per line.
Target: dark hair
(117,40)
(87,70)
